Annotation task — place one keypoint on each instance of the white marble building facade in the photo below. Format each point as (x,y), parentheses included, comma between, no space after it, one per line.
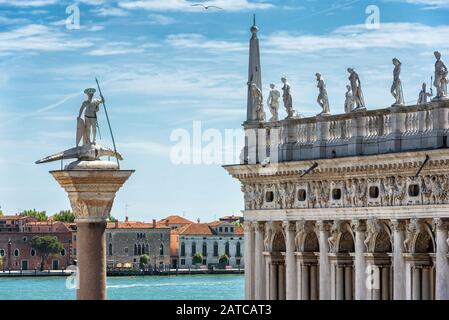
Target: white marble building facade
(343,207)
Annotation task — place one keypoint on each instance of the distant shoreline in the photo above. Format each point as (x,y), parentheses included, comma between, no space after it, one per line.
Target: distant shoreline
(116,273)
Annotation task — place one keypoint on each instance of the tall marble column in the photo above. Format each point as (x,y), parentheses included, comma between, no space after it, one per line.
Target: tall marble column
(290,260)
(399,270)
(273,281)
(324,234)
(249,260)
(442,264)
(91,187)
(359,259)
(259,228)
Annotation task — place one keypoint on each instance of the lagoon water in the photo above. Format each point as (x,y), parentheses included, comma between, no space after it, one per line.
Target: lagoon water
(183,287)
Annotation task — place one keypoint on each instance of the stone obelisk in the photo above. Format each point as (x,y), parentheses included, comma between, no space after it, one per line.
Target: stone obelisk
(91,184)
(91,187)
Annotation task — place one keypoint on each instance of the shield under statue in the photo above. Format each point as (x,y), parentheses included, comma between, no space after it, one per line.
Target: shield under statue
(80,131)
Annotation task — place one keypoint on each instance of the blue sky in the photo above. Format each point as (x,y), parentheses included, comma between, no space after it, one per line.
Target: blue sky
(164,64)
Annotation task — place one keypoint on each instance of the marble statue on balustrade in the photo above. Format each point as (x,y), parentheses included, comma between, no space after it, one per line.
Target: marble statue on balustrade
(273,102)
(323,99)
(441,77)
(423,95)
(287,97)
(396,87)
(86,131)
(349,100)
(356,89)
(258,101)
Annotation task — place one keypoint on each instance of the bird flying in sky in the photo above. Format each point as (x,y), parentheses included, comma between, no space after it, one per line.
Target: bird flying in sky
(205,6)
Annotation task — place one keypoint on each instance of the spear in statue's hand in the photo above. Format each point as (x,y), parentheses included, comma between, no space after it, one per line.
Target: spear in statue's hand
(109,123)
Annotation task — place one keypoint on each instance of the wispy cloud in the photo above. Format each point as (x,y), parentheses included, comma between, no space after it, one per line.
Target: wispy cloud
(110,12)
(193,40)
(429,4)
(28,3)
(115,48)
(162,20)
(183,5)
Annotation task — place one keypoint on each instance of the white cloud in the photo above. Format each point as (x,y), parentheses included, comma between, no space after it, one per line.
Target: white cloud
(115,48)
(27,3)
(184,5)
(193,40)
(38,37)
(110,12)
(430,4)
(160,19)
(353,37)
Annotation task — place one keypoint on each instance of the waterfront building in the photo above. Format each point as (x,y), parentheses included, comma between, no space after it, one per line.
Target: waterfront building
(127,241)
(349,206)
(212,241)
(16,251)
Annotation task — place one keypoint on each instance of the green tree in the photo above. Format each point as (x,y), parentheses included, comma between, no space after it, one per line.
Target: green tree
(197,258)
(64,216)
(46,246)
(112,219)
(39,215)
(224,259)
(1,213)
(1,262)
(143,261)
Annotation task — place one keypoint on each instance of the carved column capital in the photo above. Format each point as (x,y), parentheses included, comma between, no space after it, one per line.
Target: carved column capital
(323,225)
(358,225)
(398,224)
(441,224)
(288,226)
(259,226)
(248,226)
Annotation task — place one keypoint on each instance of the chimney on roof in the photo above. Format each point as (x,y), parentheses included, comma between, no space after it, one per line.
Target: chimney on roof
(116,224)
(126,219)
(154,223)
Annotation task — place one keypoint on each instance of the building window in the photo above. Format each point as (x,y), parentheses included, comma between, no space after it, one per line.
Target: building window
(193,248)
(238,250)
(220,229)
(227,249)
(16,253)
(183,249)
(237,262)
(215,249)
(110,249)
(183,262)
(336,194)
(226,229)
(232,229)
(204,262)
(74,251)
(161,250)
(126,250)
(302,195)
(25,239)
(143,249)
(63,252)
(32,252)
(269,196)
(413,190)
(2,252)
(139,249)
(204,249)
(135,249)
(147,247)
(374,192)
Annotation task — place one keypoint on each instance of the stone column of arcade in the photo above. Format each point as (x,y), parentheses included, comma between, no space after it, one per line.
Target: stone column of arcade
(91,184)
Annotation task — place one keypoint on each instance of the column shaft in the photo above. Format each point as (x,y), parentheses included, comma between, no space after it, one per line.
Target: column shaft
(385,283)
(273,282)
(290,262)
(91,255)
(359,261)
(259,263)
(305,282)
(348,283)
(281,282)
(425,284)
(442,265)
(313,283)
(340,285)
(416,294)
(399,270)
(324,261)
(249,260)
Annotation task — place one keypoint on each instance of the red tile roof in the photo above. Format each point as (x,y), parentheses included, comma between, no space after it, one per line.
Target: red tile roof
(132,225)
(174,220)
(196,229)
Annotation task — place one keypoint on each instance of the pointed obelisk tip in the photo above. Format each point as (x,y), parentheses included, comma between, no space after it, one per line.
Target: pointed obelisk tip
(254,28)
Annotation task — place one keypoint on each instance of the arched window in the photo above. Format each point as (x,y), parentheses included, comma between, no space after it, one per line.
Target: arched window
(215,249)
(16,253)
(238,250)
(143,249)
(193,248)
(139,249)
(147,248)
(227,249)
(32,252)
(63,252)
(204,249)
(110,249)
(183,249)
(2,252)
(135,249)
(161,250)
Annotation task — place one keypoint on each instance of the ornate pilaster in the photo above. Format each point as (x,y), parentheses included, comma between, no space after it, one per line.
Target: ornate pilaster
(399,288)
(249,260)
(290,265)
(442,264)
(259,268)
(359,227)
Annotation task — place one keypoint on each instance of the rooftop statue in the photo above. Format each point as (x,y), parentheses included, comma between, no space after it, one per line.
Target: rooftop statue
(396,87)
(323,99)
(287,97)
(87,131)
(258,101)
(349,100)
(356,89)
(423,95)
(441,79)
(273,102)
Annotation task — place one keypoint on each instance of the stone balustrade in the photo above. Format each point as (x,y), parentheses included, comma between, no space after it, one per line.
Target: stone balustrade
(365,132)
